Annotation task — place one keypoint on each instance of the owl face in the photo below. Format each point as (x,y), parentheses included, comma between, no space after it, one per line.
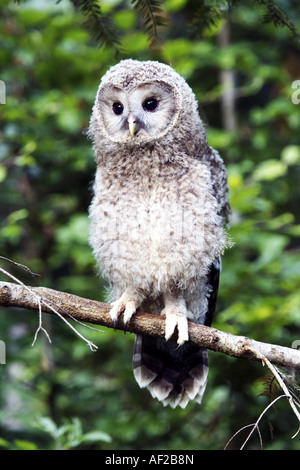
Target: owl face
(138,113)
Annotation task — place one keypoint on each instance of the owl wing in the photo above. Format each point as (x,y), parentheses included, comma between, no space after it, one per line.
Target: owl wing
(213,278)
(219,185)
(219,181)
(220,191)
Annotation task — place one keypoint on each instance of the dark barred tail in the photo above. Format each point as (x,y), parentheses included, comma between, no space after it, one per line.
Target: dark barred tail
(173,374)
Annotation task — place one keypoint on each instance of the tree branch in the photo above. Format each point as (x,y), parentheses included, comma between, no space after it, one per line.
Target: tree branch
(91,311)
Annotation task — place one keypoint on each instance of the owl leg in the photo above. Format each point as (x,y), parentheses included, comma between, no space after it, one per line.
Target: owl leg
(128,303)
(176,315)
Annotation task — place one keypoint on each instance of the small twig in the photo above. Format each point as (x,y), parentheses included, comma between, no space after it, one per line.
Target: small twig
(19,265)
(255,425)
(242,429)
(40,327)
(41,301)
(281,383)
(286,394)
(91,345)
(59,307)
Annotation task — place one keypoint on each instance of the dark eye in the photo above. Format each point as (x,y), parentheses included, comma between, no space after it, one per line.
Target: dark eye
(117,108)
(150,104)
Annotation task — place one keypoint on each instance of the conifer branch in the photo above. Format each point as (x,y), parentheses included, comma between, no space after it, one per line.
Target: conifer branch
(151,13)
(276,16)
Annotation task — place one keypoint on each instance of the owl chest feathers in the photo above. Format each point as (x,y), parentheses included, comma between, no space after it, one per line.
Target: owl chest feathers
(159,226)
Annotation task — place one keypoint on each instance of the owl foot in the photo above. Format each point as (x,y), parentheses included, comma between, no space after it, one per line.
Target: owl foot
(176,316)
(125,303)
(174,319)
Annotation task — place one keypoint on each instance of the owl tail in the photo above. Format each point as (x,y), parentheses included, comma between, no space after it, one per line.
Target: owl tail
(174,375)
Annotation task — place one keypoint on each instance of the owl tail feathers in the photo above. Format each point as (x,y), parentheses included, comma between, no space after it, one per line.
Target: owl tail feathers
(174,375)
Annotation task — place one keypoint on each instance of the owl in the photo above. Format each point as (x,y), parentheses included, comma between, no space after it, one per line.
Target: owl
(157,219)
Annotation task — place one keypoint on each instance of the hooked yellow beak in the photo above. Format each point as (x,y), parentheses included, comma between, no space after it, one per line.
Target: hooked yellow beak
(132,125)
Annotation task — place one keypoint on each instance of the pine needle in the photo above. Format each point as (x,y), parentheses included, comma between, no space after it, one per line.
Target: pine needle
(151,13)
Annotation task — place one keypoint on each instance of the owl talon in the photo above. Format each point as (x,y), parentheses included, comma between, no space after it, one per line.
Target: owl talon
(173,320)
(126,304)
(176,316)
(115,311)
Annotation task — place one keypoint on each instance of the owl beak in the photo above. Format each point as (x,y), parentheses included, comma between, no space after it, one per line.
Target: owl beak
(132,124)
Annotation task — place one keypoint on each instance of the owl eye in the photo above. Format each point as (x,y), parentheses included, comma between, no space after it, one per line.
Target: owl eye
(117,108)
(150,104)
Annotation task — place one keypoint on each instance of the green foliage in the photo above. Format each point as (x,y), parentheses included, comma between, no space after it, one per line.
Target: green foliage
(63,395)
(65,437)
(203,14)
(70,435)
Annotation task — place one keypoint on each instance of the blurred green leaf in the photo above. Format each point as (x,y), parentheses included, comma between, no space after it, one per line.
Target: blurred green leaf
(291,154)
(3,173)
(25,445)
(96,436)
(269,170)
(4,443)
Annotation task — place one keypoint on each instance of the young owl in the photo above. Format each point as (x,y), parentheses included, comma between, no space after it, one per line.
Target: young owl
(157,218)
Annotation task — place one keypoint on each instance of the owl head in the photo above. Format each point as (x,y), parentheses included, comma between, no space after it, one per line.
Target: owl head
(141,102)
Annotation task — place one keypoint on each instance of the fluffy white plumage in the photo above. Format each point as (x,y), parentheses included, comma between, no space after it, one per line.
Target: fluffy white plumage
(157,217)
